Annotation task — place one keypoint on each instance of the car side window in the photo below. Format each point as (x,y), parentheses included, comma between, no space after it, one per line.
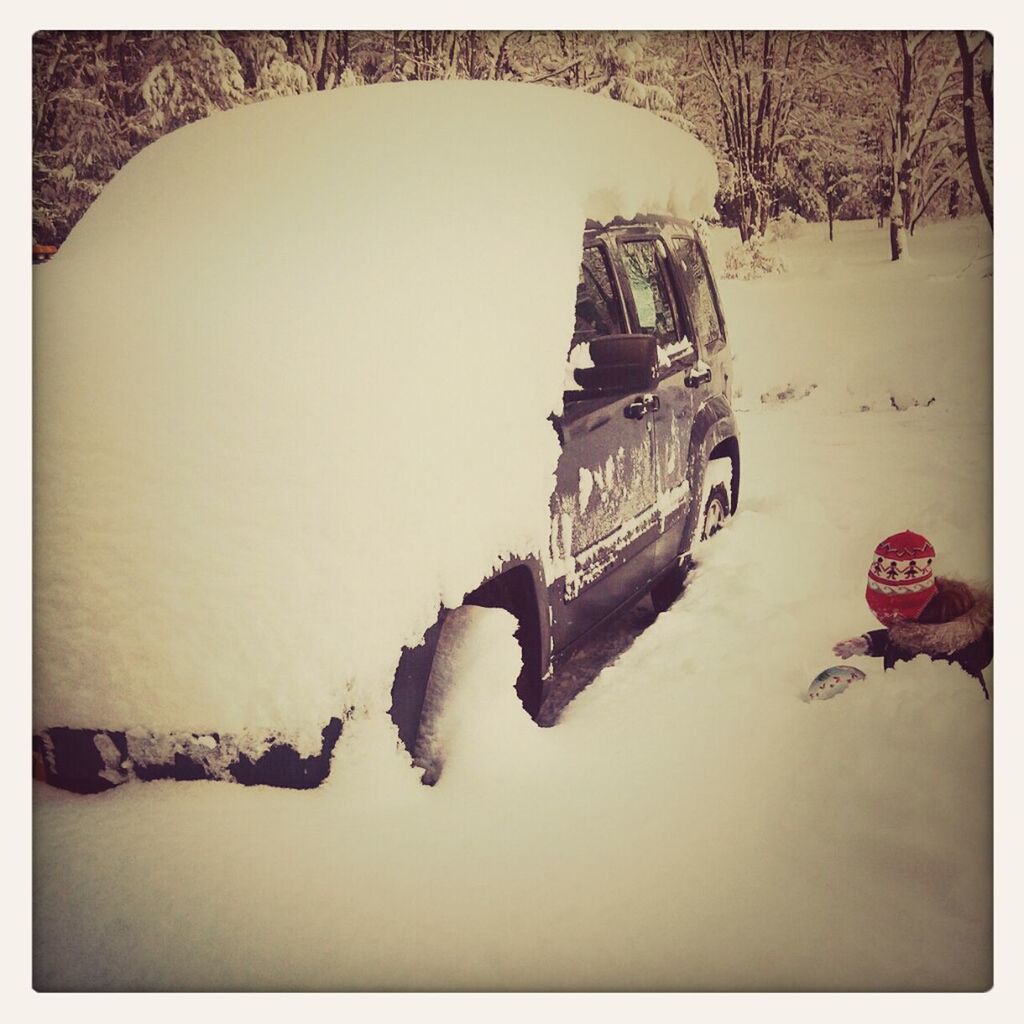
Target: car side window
(656,310)
(597,305)
(651,296)
(701,298)
(598,313)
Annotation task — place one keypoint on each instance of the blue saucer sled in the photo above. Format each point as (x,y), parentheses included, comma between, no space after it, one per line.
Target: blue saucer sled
(832,681)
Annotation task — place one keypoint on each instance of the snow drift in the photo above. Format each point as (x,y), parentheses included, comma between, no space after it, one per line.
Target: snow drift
(693,822)
(293,374)
(858,340)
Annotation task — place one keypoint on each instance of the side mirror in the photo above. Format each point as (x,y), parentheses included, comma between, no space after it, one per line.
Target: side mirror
(622,363)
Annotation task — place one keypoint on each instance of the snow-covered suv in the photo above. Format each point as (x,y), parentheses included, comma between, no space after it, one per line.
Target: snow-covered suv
(650,458)
(328,392)
(649,464)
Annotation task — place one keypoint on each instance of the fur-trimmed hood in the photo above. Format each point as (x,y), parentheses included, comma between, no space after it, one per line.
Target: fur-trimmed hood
(938,639)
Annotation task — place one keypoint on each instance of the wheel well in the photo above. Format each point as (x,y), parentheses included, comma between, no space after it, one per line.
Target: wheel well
(514,591)
(730,447)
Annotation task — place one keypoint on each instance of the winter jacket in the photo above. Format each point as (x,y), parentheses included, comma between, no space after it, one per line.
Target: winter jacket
(965,640)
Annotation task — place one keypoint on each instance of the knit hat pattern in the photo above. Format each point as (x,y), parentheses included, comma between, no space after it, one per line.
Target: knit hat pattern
(901,580)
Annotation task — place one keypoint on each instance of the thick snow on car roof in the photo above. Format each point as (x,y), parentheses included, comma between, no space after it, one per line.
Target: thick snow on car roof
(294,369)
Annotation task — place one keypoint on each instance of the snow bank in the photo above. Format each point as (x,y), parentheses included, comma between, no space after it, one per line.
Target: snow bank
(293,373)
(845,327)
(692,822)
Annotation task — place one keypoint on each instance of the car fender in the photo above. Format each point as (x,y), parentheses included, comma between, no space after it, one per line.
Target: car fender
(713,424)
(517,584)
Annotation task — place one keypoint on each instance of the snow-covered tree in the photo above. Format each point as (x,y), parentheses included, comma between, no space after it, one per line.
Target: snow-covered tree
(824,124)
(191,75)
(266,66)
(99,97)
(756,77)
(830,161)
(87,121)
(917,79)
(981,173)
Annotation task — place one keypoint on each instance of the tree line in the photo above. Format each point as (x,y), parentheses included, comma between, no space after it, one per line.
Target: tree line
(828,125)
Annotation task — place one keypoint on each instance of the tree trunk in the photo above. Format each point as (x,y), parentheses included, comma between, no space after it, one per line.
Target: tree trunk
(755,86)
(830,205)
(745,217)
(899,215)
(953,210)
(978,173)
(901,209)
(752,214)
(881,178)
(897,237)
(762,218)
(986,77)
(900,212)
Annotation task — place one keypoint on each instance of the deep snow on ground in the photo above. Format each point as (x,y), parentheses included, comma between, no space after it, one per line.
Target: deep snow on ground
(691,823)
(870,333)
(265,345)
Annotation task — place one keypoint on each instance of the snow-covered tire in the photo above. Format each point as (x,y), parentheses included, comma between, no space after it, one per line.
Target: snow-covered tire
(716,511)
(466,630)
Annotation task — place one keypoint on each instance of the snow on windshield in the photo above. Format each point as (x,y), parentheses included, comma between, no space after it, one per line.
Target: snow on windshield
(294,369)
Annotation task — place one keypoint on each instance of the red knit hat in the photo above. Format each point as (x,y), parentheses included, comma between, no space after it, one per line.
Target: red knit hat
(900,580)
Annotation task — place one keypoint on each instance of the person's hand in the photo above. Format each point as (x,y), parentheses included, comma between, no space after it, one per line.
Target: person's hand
(849,648)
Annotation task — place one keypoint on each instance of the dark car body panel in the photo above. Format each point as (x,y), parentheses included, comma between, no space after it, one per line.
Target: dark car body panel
(678,437)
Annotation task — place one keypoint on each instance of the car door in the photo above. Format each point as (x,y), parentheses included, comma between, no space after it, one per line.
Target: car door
(604,520)
(658,310)
(704,308)
(697,371)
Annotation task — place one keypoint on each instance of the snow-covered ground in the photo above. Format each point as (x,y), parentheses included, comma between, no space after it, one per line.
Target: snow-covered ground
(691,823)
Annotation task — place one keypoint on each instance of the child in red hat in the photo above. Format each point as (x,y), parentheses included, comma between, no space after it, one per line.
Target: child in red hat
(923,613)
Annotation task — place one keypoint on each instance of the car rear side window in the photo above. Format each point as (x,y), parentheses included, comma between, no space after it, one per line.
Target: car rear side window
(701,299)
(597,305)
(655,310)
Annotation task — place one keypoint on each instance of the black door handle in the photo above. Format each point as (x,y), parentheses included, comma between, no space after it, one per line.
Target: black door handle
(699,374)
(640,407)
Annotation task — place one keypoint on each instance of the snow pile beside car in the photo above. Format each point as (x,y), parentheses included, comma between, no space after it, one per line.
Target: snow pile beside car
(294,370)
